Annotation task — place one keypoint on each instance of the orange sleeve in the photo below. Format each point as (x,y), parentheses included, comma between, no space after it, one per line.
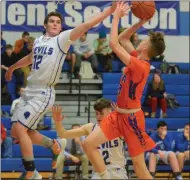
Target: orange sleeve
(134,53)
(18,46)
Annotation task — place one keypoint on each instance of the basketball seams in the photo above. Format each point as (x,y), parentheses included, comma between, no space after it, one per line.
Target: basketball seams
(147,12)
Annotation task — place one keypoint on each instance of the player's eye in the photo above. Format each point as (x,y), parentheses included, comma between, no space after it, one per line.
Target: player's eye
(58,22)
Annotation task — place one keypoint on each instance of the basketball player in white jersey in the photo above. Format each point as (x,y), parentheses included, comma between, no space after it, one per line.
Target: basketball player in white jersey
(47,58)
(113,151)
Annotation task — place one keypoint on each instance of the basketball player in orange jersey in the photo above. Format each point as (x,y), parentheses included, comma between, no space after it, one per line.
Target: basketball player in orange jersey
(128,119)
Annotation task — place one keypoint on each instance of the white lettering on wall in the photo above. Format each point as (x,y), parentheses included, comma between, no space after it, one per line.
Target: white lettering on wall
(168,17)
(51,6)
(74,18)
(16,14)
(34,12)
(91,11)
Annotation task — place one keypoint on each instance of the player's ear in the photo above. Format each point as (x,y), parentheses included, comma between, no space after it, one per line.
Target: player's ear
(45,26)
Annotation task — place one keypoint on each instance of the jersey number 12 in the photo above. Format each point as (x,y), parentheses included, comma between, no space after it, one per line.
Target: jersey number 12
(105,154)
(37,61)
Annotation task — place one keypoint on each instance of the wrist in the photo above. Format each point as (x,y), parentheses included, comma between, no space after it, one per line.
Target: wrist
(58,123)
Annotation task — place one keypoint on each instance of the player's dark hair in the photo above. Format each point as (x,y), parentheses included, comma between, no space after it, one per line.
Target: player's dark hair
(161,124)
(25,33)
(188,124)
(157,44)
(57,14)
(101,104)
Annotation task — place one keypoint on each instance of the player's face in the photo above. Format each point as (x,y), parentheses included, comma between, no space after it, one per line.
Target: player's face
(162,129)
(53,27)
(100,115)
(83,37)
(25,38)
(9,52)
(143,46)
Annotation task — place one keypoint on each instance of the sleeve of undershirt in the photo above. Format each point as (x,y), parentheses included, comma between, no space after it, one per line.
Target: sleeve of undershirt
(63,40)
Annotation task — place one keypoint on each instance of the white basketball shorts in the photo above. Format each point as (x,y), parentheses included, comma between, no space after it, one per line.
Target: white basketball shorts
(34,104)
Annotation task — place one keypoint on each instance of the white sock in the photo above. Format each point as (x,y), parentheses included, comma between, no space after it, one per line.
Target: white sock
(104,175)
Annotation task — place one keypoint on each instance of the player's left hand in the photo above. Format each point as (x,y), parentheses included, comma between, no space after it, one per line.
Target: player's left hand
(122,9)
(9,74)
(57,113)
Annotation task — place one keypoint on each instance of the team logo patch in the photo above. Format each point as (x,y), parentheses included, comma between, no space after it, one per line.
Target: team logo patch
(26,114)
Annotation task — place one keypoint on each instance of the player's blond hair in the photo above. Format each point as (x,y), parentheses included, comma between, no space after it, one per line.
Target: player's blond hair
(157,44)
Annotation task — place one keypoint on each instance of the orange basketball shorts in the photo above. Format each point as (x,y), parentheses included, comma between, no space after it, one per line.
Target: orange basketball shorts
(131,127)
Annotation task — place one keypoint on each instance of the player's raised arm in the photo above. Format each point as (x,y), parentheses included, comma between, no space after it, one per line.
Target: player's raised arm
(58,117)
(124,37)
(25,61)
(114,39)
(84,27)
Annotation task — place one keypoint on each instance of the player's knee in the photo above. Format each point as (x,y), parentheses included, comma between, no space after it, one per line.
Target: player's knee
(181,155)
(171,155)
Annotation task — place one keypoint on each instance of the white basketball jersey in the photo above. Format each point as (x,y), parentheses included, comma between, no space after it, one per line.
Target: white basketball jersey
(113,153)
(48,57)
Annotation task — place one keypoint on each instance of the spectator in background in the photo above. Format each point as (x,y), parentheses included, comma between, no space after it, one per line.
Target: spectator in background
(6,143)
(74,147)
(85,52)
(135,40)
(22,44)
(8,59)
(156,92)
(60,166)
(71,58)
(103,52)
(163,151)
(3,44)
(182,146)
(24,52)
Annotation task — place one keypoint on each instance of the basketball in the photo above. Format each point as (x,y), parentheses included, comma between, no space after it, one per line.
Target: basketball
(143,9)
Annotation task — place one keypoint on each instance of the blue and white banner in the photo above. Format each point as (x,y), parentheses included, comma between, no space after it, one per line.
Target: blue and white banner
(29,15)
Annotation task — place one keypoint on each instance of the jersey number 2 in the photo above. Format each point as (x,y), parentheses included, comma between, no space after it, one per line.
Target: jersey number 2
(37,61)
(105,154)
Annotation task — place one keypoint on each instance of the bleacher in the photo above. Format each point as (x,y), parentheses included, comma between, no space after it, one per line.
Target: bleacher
(175,84)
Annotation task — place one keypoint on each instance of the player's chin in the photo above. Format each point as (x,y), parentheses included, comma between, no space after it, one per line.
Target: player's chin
(55,32)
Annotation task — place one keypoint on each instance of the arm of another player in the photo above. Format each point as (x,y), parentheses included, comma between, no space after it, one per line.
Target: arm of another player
(62,132)
(114,40)
(66,38)
(25,61)
(124,37)
(84,27)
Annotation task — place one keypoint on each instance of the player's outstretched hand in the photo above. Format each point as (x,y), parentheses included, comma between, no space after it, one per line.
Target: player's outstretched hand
(121,9)
(57,113)
(9,74)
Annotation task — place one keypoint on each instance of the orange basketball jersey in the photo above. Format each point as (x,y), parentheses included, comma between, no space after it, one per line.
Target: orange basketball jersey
(132,83)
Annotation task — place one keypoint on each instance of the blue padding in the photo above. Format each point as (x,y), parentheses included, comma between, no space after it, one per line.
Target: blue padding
(49,133)
(182,100)
(14,164)
(11,87)
(173,123)
(175,79)
(182,112)
(39,151)
(66,66)
(171,89)
(47,121)
(6,108)
(6,122)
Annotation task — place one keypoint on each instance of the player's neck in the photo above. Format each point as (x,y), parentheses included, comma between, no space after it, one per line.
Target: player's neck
(143,57)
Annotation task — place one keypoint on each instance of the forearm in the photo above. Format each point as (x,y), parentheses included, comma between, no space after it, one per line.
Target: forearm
(84,27)
(114,33)
(4,67)
(131,30)
(27,60)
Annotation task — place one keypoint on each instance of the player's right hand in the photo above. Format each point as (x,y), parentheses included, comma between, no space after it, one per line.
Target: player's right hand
(9,74)
(57,113)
